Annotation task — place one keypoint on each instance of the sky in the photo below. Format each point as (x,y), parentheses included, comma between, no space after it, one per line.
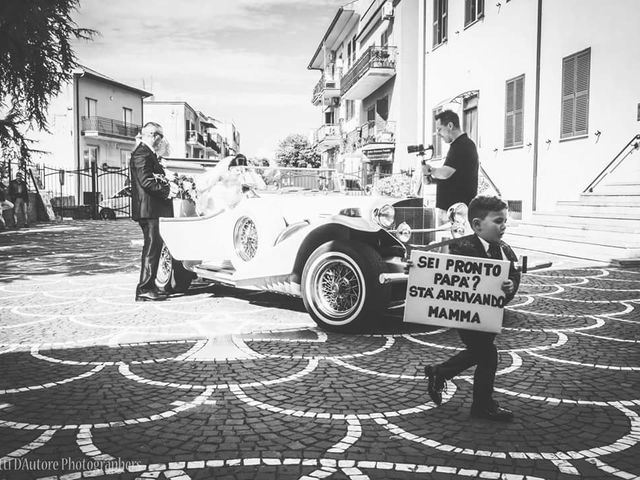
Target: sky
(243,61)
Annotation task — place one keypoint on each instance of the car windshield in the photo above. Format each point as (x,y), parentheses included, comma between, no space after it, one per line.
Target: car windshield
(292,180)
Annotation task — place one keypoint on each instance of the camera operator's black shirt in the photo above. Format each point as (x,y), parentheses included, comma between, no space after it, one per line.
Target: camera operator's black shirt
(462,186)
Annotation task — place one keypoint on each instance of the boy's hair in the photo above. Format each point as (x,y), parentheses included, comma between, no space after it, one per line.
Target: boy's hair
(482,205)
(448,116)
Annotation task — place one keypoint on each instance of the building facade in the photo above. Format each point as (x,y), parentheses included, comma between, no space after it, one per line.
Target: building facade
(367,95)
(535,86)
(533,81)
(191,133)
(94,120)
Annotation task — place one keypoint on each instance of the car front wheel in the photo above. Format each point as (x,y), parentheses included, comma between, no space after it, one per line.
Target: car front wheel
(172,276)
(341,288)
(107,214)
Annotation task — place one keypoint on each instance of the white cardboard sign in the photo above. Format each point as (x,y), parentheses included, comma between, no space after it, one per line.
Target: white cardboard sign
(455,291)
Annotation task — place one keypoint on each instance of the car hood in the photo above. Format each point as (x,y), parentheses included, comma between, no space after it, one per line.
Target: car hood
(298,207)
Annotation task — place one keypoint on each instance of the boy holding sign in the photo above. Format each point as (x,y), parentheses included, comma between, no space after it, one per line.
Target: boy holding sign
(488,218)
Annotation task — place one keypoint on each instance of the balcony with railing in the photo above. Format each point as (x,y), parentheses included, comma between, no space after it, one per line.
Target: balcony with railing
(328,136)
(212,143)
(108,127)
(194,138)
(374,67)
(371,133)
(328,87)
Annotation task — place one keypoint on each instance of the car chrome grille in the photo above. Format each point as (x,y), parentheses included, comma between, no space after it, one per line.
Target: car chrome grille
(416,216)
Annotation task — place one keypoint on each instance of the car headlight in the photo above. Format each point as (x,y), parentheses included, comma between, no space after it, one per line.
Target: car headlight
(245,238)
(457,214)
(385,216)
(403,232)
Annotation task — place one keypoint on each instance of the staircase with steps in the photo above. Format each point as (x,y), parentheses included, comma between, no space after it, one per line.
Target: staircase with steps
(604,225)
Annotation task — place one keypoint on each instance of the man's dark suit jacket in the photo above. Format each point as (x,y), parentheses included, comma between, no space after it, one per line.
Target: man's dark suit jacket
(471,246)
(148,195)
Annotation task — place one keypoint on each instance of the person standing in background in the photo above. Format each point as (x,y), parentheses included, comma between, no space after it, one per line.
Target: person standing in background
(5,204)
(19,195)
(456,180)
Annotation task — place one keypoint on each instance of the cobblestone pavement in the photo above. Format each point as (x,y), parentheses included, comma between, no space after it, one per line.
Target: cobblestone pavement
(228,384)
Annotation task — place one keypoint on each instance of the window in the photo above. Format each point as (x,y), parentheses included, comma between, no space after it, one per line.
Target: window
(127,116)
(382,108)
(470,117)
(436,141)
(91,107)
(514,112)
(575,94)
(90,155)
(350,109)
(473,11)
(439,22)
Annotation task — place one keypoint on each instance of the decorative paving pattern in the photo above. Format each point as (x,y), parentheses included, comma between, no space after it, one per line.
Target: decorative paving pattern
(230,384)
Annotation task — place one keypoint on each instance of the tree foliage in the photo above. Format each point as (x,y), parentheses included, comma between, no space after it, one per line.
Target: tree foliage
(36,59)
(296,151)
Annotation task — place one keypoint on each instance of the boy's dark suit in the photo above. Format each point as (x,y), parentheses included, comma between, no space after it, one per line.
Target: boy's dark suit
(480,350)
(148,202)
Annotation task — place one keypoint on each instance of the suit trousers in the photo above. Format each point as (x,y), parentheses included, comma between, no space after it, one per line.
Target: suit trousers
(151,250)
(480,351)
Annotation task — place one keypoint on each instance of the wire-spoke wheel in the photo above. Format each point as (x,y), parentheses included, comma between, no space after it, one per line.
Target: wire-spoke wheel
(340,286)
(172,276)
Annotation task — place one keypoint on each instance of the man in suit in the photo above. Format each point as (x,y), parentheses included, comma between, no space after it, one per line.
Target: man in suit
(488,218)
(150,199)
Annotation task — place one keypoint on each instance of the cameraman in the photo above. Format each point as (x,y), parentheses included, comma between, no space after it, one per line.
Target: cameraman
(457,180)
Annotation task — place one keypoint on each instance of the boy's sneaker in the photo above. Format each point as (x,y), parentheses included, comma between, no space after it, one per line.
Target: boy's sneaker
(435,384)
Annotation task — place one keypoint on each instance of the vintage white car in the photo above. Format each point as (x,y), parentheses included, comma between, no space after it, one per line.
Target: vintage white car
(343,254)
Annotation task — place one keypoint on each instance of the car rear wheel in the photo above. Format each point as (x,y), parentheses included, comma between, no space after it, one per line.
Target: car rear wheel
(172,276)
(341,288)
(107,214)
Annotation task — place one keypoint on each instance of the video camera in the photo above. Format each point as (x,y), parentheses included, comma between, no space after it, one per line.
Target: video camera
(421,150)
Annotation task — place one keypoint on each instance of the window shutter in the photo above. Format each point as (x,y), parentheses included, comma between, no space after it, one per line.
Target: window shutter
(444,20)
(514,112)
(519,111)
(508,121)
(582,93)
(568,89)
(575,94)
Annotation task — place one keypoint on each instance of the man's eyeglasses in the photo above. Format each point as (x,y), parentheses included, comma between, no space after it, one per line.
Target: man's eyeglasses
(158,134)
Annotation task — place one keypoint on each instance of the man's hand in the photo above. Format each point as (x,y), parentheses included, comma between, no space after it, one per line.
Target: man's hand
(408,266)
(507,287)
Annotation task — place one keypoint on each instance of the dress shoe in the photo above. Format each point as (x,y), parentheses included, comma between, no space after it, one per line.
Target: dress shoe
(150,296)
(496,414)
(435,384)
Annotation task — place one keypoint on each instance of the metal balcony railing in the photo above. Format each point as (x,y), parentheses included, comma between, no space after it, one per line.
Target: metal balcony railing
(377,132)
(193,136)
(109,127)
(324,83)
(371,132)
(373,57)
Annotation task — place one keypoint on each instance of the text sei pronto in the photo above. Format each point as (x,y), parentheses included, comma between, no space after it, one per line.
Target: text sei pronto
(455,291)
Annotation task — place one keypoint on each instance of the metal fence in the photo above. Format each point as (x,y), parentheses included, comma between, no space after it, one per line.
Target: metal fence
(84,193)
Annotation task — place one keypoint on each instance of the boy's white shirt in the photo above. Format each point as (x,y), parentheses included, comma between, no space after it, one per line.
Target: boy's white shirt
(485,244)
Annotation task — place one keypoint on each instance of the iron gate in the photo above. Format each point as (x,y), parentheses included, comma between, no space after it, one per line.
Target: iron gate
(94,192)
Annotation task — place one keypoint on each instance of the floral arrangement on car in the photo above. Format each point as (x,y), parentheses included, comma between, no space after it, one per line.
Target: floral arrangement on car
(393,186)
(186,187)
(185,196)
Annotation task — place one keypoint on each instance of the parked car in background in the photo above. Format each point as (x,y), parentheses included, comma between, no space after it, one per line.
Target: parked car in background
(115,206)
